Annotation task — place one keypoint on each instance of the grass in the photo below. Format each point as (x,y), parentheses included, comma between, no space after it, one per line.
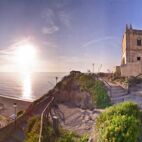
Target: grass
(49,135)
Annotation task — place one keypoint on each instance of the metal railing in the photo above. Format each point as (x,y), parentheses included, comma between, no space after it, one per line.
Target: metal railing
(44,114)
(109,86)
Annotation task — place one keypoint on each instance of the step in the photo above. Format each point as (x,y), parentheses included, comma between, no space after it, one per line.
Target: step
(120,97)
(117,101)
(119,94)
(116,87)
(118,91)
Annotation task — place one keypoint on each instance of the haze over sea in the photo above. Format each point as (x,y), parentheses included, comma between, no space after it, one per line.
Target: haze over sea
(27,86)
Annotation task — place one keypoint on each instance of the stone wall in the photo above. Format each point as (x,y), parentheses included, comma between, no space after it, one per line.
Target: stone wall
(131,69)
(6,131)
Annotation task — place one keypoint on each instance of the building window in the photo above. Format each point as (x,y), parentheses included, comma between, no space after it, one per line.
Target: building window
(138,58)
(139,42)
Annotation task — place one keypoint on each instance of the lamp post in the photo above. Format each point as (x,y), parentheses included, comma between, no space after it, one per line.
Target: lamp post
(15,107)
(56,79)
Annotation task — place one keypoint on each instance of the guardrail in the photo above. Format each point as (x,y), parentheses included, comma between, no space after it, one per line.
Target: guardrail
(107,84)
(44,114)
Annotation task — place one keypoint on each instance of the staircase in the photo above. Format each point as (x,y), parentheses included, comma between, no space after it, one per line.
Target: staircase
(118,94)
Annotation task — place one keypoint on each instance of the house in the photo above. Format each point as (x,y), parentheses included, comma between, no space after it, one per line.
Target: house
(131,63)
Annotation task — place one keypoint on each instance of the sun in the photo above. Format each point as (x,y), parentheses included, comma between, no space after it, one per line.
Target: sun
(25,56)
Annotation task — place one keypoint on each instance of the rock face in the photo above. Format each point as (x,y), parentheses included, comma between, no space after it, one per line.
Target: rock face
(69,90)
(80,121)
(77,98)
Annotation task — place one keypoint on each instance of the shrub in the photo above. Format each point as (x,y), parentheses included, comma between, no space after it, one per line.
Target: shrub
(67,137)
(127,108)
(31,122)
(97,89)
(32,137)
(32,130)
(119,123)
(120,128)
(48,134)
(84,138)
(19,113)
(99,94)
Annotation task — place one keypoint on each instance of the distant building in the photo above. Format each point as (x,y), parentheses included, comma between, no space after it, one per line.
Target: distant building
(131,64)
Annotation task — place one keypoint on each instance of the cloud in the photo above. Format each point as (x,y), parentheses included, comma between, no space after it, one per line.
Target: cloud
(54,19)
(96,41)
(50,29)
(5,55)
(65,19)
(49,26)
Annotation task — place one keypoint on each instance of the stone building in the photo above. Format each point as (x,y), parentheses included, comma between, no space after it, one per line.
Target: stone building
(131,64)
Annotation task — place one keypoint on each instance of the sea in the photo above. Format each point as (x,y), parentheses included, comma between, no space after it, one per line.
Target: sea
(28,86)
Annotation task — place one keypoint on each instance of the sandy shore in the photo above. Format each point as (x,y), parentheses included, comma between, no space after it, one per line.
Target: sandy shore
(6,106)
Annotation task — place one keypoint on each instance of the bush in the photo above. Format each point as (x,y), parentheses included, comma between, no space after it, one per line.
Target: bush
(32,130)
(127,108)
(31,123)
(97,89)
(19,113)
(120,128)
(120,123)
(71,137)
(83,139)
(99,94)
(48,134)
(67,137)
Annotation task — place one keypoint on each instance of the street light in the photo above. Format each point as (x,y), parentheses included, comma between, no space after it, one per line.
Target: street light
(15,106)
(56,79)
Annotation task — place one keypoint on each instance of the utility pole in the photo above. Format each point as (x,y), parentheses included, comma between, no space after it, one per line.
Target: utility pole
(93,68)
(99,69)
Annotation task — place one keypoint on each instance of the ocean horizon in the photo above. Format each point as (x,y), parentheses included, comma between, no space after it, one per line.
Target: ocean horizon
(27,86)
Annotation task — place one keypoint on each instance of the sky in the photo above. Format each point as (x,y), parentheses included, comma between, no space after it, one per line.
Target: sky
(67,34)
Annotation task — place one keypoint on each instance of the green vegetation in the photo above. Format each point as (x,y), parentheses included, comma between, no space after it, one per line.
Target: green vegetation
(32,133)
(19,113)
(119,123)
(77,81)
(71,137)
(97,89)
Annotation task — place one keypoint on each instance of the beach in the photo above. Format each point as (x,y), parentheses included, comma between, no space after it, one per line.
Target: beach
(7,108)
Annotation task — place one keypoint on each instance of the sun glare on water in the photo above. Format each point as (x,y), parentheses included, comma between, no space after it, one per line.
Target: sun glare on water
(25,57)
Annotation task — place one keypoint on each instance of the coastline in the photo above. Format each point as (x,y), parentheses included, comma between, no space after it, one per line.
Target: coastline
(16,98)
(7,103)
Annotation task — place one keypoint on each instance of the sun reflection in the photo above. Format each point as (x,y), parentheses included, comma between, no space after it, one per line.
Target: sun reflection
(26,85)
(25,59)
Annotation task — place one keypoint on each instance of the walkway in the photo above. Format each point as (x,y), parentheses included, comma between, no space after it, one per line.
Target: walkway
(119,94)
